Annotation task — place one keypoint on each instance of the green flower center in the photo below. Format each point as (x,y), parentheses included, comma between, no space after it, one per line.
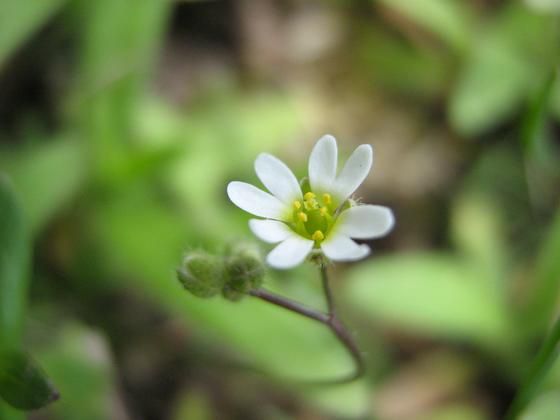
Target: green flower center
(314,217)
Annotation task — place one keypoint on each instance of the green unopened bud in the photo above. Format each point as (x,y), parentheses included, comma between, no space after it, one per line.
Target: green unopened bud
(202,274)
(245,270)
(232,294)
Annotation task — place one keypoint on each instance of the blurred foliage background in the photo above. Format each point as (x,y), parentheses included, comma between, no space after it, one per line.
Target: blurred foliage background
(121,123)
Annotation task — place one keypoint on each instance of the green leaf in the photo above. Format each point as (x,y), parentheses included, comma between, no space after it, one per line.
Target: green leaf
(47,176)
(119,41)
(20,19)
(510,58)
(410,71)
(22,383)
(544,407)
(7,412)
(14,260)
(446,18)
(431,294)
(478,233)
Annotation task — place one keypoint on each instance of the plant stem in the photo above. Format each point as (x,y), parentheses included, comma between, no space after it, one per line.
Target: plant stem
(540,367)
(330,319)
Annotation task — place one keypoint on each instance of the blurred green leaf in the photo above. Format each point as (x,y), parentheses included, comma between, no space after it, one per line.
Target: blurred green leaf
(491,87)
(510,58)
(7,412)
(14,260)
(402,67)
(47,177)
(20,19)
(119,40)
(449,19)
(544,407)
(430,293)
(477,229)
(22,382)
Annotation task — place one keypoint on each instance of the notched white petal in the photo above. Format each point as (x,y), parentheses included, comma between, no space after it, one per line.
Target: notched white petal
(277,178)
(366,221)
(255,201)
(322,164)
(355,170)
(289,253)
(271,231)
(340,247)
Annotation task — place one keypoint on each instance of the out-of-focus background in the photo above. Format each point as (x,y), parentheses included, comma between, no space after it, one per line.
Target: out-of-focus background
(122,121)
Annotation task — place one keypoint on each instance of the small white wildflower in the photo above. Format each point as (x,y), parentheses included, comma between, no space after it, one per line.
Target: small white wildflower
(322,218)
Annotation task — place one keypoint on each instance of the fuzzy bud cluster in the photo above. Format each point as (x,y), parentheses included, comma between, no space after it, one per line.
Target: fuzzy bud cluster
(239,270)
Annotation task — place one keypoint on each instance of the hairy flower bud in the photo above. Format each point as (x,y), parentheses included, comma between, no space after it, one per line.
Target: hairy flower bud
(202,274)
(245,271)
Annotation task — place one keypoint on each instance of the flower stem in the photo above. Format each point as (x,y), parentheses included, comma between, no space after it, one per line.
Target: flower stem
(330,319)
(544,360)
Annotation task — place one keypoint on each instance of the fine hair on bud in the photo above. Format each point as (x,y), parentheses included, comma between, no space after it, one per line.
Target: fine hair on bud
(245,270)
(202,274)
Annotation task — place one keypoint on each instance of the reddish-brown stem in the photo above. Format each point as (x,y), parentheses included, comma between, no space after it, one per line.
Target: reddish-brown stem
(330,319)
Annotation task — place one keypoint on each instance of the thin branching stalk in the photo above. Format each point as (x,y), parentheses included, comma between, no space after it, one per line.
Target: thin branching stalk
(330,319)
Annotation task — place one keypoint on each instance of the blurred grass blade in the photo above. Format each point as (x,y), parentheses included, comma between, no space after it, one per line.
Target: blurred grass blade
(22,383)
(541,366)
(14,259)
(533,125)
(541,307)
(20,19)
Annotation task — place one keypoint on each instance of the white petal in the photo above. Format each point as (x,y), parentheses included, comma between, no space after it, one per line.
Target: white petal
(366,221)
(340,247)
(271,231)
(290,253)
(278,178)
(322,164)
(255,201)
(354,172)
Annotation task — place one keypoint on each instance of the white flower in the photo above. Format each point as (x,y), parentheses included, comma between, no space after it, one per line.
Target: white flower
(320,219)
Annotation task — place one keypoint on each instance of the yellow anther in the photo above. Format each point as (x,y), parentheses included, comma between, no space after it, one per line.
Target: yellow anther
(309,196)
(318,236)
(327,199)
(302,216)
(323,211)
(297,205)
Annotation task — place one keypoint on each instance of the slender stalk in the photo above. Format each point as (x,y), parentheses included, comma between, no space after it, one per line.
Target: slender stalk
(330,319)
(289,305)
(545,358)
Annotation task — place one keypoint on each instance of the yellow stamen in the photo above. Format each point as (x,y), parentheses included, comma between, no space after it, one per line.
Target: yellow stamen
(318,236)
(323,211)
(297,205)
(309,196)
(327,199)
(302,216)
